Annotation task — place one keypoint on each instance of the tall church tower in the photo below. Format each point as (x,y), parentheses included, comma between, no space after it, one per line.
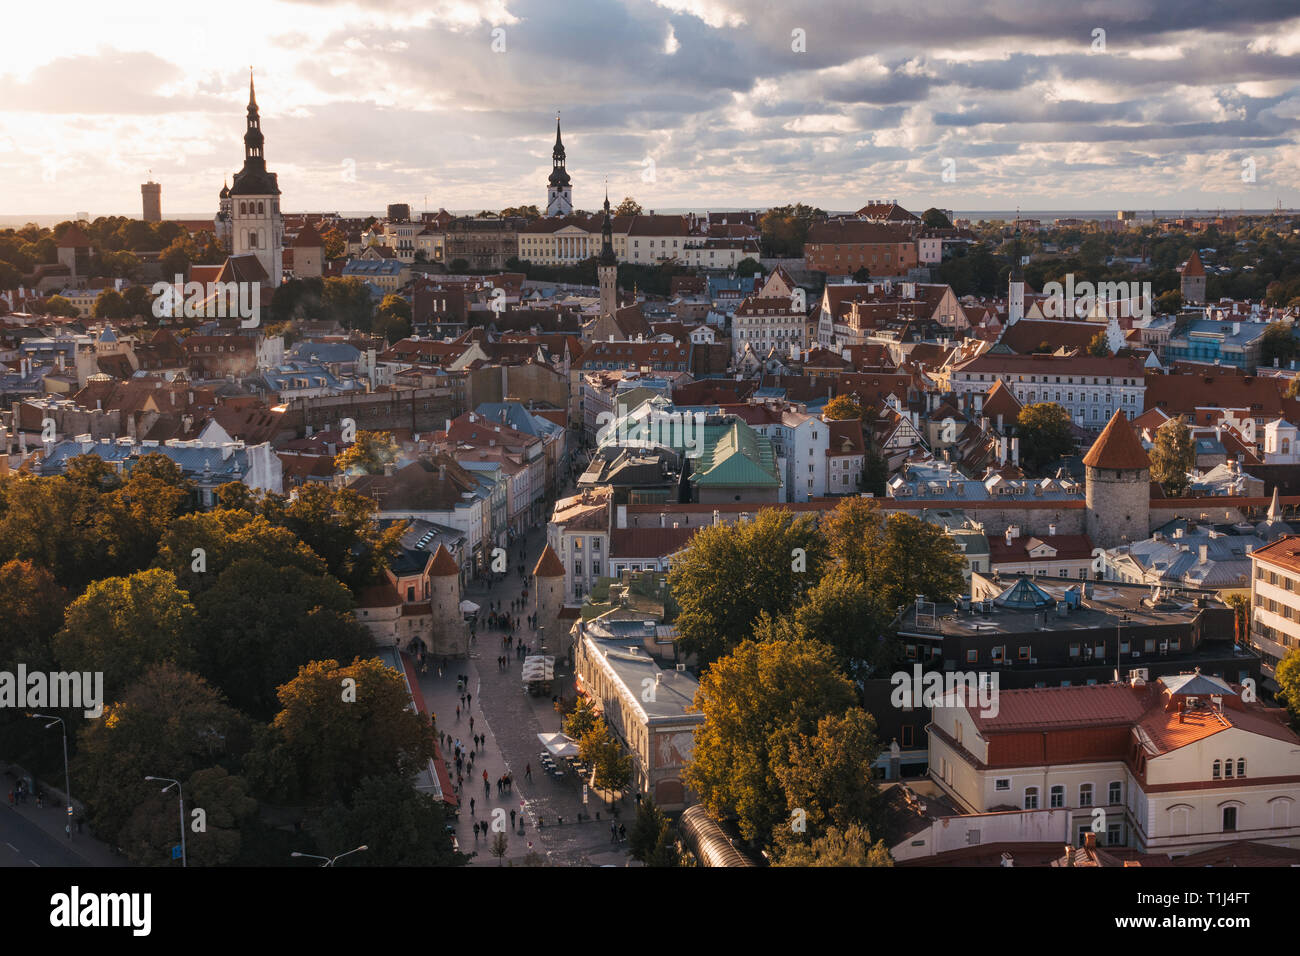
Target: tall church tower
(607,265)
(257,228)
(1016,285)
(559,194)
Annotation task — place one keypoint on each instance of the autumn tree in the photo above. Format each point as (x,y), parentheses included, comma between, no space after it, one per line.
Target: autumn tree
(198,547)
(755,701)
(393,318)
(581,720)
(123,626)
(628,207)
(845,613)
(899,556)
(339,525)
(169,722)
(33,605)
(1099,346)
(338,725)
(842,407)
(826,775)
(733,572)
(259,622)
(1046,435)
(368,454)
(1173,456)
(1288,679)
(599,748)
(851,846)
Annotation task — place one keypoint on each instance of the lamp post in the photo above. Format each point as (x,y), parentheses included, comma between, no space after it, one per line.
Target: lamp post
(67,780)
(329,861)
(180,792)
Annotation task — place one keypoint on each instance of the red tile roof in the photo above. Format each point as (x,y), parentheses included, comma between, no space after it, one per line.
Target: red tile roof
(1118,447)
(548,565)
(444,565)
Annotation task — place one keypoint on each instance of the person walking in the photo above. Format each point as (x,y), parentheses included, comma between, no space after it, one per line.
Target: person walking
(613,833)
(622,833)
(512,819)
(471,806)
(528,772)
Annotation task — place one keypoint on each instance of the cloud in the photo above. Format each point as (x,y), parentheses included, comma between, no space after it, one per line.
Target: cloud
(416,94)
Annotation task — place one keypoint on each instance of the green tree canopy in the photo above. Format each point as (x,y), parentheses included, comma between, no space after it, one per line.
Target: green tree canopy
(338,725)
(1045,434)
(260,622)
(123,626)
(1172,456)
(734,572)
(934,218)
(755,701)
(168,723)
(848,847)
(398,825)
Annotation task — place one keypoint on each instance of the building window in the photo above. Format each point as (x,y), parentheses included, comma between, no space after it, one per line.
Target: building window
(1241,766)
(1115,795)
(1057,797)
(1085,794)
(1031,798)
(1002,783)
(1229,819)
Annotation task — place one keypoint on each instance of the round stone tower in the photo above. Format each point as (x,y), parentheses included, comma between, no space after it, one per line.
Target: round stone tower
(548,581)
(1118,488)
(450,636)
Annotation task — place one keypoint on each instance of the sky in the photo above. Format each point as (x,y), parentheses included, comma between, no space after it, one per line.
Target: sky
(964,104)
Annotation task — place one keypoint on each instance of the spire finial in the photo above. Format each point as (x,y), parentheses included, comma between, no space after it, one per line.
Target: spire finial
(252,99)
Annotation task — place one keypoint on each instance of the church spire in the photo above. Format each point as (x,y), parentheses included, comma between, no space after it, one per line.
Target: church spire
(607,257)
(253,141)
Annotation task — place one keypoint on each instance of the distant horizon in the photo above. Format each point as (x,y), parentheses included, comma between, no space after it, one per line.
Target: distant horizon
(47,220)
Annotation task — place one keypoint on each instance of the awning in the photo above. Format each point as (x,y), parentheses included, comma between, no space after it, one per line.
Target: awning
(559,744)
(538,667)
(468,607)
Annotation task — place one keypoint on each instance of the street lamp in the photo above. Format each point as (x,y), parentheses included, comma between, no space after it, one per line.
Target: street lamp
(180,792)
(67,780)
(329,861)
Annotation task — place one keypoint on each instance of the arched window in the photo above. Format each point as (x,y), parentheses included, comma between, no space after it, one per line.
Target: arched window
(261,208)
(1218,769)
(1241,766)
(1286,446)
(1227,769)
(243,208)
(1085,794)
(252,239)
(1031,798)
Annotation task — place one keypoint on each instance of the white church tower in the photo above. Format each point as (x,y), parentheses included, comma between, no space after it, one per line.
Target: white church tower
(1016,285)
(256,226)
(559,194)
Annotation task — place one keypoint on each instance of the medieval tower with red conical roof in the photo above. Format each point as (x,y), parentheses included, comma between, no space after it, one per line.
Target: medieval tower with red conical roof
(548,580)
(450,635)
(1118,486)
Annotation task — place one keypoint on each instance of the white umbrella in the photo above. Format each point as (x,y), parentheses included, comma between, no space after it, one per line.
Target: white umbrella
(559,744)
(468,607)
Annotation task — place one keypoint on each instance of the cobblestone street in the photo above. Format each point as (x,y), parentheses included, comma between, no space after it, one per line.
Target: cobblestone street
(511,720)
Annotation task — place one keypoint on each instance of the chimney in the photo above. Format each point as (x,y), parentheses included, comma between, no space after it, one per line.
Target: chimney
(1204,552)
(1010,537)
(1051,530)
